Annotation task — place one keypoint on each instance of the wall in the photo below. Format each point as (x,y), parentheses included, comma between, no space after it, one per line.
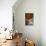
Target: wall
(30,32)
(6,13)
(43,22)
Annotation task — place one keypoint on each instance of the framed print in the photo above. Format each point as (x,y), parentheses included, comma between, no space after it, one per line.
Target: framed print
(28,18)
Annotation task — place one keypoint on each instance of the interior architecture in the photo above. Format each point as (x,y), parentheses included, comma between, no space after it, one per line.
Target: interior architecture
(22,22)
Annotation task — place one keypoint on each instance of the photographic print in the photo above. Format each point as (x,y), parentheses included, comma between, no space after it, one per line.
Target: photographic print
(28,18)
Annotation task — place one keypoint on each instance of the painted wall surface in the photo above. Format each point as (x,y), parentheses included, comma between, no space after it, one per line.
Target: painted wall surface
(33,31)
(43,22)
